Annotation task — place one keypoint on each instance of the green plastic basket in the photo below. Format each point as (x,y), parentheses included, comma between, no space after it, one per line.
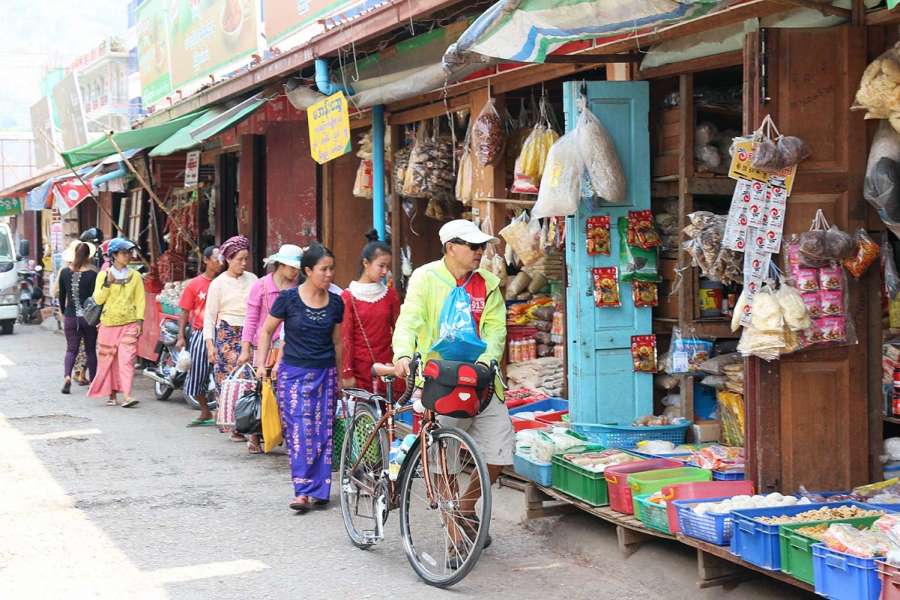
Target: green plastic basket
(796,548)
(649,482)
(651,514)
(579,482)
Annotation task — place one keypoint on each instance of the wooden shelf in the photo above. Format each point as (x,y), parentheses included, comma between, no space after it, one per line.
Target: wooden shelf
(716,328)
(700,185)
(884,16)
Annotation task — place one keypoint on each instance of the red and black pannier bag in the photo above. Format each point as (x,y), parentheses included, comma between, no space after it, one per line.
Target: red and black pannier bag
(456,389)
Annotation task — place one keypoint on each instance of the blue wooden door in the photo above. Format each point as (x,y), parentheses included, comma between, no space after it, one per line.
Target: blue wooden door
(602,385)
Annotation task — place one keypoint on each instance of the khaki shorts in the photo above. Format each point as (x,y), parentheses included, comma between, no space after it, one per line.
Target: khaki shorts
(491,430)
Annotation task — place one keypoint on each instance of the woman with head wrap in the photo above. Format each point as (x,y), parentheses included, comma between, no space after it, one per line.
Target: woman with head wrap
(223,321)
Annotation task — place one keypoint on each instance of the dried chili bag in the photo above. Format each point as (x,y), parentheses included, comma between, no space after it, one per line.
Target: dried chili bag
(488,136)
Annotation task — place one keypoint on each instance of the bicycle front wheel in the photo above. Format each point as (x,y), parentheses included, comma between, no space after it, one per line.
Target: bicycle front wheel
(444,520)
(361,486)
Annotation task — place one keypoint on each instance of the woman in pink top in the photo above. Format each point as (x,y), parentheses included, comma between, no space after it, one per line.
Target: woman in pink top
(262,295)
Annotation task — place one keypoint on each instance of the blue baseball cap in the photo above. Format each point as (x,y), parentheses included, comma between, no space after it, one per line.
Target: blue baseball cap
(119,244)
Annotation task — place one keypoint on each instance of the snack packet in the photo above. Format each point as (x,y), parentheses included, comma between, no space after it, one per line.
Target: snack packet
(644,294)
(598,235)
(606,287)
(643,353)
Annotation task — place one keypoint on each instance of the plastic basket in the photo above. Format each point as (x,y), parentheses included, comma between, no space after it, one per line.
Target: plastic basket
(840,576)
(714,528)
(890,580)
(796,548)
(759,543)
(728,475)
(653,481)
(699,490)
(579,482)
(553,418)
(550,404)
(617,481)
(540,473)
(520,424)
(651,514)
(627,436)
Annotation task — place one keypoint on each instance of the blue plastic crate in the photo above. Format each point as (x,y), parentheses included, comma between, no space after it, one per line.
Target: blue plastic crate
(728,475)
(550,404)
(714,528)
(627,436)
(758,542)
(540,473)
(840,576)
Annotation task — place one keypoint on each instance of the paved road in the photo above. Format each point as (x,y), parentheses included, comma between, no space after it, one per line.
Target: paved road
(102,502)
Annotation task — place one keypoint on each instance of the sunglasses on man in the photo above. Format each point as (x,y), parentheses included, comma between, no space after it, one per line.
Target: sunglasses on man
(472,247)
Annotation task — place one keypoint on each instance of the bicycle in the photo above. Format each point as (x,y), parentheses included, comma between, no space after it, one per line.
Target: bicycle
(427,492)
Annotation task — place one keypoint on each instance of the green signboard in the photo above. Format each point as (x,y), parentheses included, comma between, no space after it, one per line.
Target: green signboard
(153,51)
(10,206)
(284,17)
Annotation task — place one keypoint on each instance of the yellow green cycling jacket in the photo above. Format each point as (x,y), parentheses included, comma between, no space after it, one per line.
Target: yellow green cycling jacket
(417,327)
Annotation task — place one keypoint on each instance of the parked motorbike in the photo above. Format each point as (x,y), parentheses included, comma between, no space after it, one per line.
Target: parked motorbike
(170,373)
(31,296)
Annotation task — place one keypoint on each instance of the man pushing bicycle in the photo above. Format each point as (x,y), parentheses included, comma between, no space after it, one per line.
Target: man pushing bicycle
(424,318)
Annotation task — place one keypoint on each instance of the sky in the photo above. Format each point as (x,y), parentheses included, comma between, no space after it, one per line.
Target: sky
(37,33)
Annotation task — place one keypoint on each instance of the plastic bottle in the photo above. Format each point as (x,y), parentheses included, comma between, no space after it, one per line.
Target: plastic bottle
(532,349)
(394,461)
(406,444)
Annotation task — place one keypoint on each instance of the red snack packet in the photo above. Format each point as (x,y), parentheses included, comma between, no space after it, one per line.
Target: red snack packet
(644,293)
(606,287)
(831,278)
(643,353)
(813,305)
(831,302)
(598,235)
(641,230)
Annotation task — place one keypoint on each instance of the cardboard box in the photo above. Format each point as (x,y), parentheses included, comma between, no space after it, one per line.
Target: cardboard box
(706,431)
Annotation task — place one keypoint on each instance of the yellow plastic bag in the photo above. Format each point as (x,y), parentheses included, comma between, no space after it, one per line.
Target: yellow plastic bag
(271,418)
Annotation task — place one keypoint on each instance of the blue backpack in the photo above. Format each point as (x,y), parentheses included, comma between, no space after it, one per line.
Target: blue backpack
(458,338)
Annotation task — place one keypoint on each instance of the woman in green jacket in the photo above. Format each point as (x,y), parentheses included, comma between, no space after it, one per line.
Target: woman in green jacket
(120,290)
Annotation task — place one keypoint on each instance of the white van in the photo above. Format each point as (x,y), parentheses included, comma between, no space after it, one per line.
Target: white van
(9,297)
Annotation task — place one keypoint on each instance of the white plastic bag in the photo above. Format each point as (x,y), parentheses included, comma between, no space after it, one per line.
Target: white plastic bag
(598,152)
(560,189)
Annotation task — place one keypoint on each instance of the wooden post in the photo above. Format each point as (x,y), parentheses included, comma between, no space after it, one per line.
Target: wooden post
(686,295)
(396,206)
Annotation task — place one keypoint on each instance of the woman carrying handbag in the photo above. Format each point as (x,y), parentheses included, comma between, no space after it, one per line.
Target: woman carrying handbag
(371,310)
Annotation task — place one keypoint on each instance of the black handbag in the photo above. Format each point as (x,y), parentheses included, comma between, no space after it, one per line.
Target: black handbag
(456,389)
(248,412)
(91,312)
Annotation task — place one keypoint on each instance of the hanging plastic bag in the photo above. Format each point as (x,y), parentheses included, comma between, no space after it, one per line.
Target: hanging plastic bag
(248,412)
(878,93)
(866,253)
(598,153)
(560,190)
(882,183)
(793,308)
(488,136)
(778,153)
(466,173)
(271,418)
(362,185)
(523,240)
(233,387)
(458,338)
(415,173)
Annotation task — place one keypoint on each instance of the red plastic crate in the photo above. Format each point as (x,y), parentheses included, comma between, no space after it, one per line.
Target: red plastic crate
(698,490)
(520,424)
(552,418)
(890,581)
(617,480)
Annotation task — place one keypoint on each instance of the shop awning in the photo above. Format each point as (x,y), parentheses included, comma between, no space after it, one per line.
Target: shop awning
(529,30)
(228,118)
(181,140)
(126,140)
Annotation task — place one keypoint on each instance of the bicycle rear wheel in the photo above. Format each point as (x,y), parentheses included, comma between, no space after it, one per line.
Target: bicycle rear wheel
(361,487)
(443,535)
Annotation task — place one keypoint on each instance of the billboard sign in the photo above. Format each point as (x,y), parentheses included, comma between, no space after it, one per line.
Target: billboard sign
(207,35)
(153,51)
(70,109)
(284,18)
(45,137)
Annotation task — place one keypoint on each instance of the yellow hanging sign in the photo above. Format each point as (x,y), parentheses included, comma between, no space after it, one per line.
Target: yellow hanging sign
(742,169)
(329,128)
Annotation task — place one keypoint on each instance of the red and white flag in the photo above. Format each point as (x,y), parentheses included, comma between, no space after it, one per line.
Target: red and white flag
(69,194)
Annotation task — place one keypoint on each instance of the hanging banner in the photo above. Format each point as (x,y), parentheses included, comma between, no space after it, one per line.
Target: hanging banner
(68,106)
(153,51)
(69,194)
(329,128)
(192,169)
(10,206)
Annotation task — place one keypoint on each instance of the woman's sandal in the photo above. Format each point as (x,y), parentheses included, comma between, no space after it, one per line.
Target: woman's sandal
(301,505)
(253,448)
(112,402)
(237,437)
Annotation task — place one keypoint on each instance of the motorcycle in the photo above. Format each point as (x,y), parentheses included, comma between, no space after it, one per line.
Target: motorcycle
(31,296)
(170,373)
